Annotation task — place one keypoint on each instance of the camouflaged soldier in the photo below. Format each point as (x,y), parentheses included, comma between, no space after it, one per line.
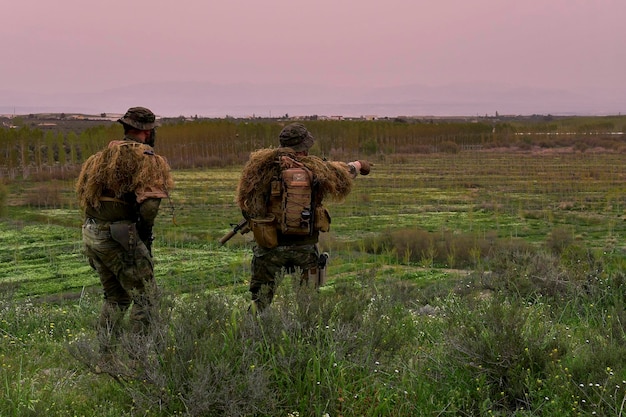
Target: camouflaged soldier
(120,189)
(281,193)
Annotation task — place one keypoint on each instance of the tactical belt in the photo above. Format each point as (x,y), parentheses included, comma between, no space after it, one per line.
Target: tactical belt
(103,225)
(290,246)
(115,200)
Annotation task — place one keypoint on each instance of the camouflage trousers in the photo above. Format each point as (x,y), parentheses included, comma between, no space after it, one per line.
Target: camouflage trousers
(267,264)
(127,277)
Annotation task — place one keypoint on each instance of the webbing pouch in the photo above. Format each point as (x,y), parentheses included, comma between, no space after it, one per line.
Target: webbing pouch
(322,219)
(125,234)
(264,231)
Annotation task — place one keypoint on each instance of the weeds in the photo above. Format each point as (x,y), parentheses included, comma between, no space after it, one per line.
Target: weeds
(361,347)
(531,323)
(444,248)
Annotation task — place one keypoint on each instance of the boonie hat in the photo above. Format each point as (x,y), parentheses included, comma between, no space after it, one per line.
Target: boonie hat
(296,137)
(140,118)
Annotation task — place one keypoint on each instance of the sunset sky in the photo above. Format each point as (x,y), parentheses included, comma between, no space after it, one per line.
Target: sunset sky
(78,46)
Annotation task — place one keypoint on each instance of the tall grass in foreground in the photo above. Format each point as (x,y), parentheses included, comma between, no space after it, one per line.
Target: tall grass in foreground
(535,328)
(538,334)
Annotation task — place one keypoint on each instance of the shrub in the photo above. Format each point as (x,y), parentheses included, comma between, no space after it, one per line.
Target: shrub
(504,345)
(449,146)
(530,275)
(45,196)
(447,248)
(559,239)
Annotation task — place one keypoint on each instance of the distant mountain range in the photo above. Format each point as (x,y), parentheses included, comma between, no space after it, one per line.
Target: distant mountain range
(240,100)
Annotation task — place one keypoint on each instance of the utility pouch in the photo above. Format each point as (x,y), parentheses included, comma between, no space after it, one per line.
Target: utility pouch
(322,262)
(264,231)
(125,234)
(322,219)
(275,188)
(274,206)
(317,274)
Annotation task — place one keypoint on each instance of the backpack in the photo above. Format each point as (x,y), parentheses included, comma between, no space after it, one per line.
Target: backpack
(292,198)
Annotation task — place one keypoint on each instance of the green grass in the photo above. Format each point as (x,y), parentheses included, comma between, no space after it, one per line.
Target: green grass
(521,329)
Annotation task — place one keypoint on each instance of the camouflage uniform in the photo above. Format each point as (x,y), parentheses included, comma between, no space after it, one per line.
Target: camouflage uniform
(126,275)
(267,264)
(293,252)
(117,232)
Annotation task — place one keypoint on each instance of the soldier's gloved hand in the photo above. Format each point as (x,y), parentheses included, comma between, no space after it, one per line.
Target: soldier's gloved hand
(365,167)
(361,167)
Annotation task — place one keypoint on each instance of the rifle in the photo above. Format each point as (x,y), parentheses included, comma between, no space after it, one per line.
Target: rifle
(241,227)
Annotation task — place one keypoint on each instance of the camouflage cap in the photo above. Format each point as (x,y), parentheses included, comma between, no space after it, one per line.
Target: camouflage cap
(296,137)
(140,118)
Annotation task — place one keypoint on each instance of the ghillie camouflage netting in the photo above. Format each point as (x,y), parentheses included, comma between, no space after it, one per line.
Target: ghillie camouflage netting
(123,167)
(332,178)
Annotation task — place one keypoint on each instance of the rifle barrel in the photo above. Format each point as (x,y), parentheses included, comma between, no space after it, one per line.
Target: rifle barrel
(227,237)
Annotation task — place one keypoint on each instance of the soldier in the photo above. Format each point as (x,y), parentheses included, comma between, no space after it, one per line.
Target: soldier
(120,189)
(281,193)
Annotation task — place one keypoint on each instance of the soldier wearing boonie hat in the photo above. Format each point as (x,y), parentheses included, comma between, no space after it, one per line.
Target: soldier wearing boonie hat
(139,119)
(296,137)
(120,190)
(286,238)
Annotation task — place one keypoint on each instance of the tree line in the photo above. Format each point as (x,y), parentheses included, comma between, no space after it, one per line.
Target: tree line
(203,143)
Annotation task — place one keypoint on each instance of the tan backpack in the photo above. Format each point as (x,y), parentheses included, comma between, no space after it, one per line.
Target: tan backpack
(291,200)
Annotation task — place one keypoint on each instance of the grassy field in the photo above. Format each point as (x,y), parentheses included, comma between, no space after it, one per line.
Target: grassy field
(483,194)
(486,282)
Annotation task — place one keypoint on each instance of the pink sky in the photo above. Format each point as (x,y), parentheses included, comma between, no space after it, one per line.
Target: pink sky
(84,46)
